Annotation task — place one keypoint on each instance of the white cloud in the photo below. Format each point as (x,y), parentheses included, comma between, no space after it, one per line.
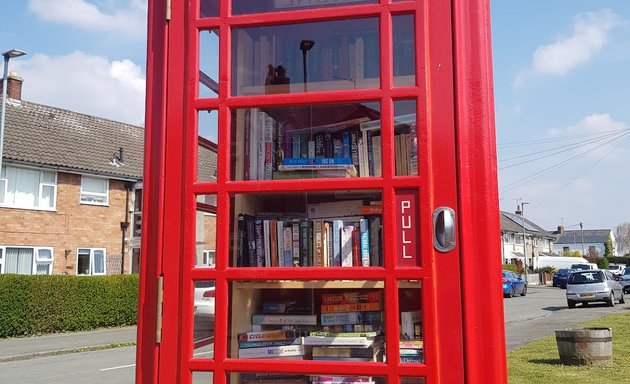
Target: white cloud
(589,36)
(88,84)
(129,20)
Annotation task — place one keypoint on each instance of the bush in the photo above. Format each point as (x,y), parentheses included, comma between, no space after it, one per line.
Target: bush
(31,305)
(512,267)
(547,269)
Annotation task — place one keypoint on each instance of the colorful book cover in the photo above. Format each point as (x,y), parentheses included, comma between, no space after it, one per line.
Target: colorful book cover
(276,334)
(365,296)
(277,351)
(270,343)
(365,242)
(333,318)
(284,319)
(354,307)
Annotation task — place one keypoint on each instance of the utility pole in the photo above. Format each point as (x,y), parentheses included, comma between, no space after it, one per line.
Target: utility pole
(521,210)
(582,231)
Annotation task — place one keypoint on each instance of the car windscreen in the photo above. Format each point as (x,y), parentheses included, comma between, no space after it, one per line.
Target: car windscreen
(588,277)
(564,271)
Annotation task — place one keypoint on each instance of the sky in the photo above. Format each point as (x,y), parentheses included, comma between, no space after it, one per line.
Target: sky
(562,92)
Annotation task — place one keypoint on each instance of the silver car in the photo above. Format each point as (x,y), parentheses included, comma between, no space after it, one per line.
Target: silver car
(593,286)
(624,280)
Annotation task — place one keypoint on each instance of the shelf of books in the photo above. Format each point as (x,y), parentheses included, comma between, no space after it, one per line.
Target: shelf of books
(322,321)
(340,140)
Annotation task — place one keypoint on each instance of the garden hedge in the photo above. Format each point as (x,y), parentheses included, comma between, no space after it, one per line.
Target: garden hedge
(33,305)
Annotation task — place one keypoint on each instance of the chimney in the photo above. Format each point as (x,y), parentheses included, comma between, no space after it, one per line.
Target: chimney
(560,229)
(14,86)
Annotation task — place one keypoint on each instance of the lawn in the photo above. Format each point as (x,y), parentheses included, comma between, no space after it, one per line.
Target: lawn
(539,362)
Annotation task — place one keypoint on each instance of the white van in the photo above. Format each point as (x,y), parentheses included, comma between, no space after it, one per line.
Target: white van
(584,266)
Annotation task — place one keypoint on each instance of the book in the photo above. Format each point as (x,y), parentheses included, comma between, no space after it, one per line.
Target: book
(346,341)
(260,246)
(293,307)
(301,173)
(411,344)
(347,297)
(354,307)
(275,351)
(270,343)
(277,334)
(346,245)
(337,225)
(333,318)
(318,161)
(374,224)
(284,319)
(334,209)
(345,334)
(365,242)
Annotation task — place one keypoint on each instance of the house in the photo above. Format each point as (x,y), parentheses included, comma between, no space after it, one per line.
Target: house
(588,242)
(70,191)
(514,228)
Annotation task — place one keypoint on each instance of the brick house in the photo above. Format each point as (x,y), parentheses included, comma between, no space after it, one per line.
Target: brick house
(70,191)
(521,238)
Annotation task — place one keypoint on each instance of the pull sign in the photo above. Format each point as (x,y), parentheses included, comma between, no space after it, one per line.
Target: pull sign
(444,229)
(407,231)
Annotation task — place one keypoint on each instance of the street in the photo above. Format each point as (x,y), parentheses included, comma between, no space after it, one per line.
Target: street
(527,318)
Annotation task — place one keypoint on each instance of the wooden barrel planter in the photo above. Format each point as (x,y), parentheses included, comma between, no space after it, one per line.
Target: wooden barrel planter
(587,346)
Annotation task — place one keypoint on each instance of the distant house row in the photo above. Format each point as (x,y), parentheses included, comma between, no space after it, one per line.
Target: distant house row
(522,241)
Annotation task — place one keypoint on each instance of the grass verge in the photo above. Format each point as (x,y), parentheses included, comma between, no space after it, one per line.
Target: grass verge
(539,362)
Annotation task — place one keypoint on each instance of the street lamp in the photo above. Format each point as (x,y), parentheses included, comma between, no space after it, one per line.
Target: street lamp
(7,55)
(305,46)
(522,211)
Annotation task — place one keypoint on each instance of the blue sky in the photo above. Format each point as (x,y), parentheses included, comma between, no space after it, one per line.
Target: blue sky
(562,91)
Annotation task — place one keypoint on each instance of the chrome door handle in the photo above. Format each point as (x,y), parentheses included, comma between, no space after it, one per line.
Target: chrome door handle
(444,229)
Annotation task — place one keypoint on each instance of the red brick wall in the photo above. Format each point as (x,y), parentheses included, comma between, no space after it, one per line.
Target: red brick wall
(71,226)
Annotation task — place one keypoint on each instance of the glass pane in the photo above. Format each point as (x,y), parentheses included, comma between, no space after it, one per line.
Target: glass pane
(308,229)
(99,262)
(3,186)
(83,262)
(48,197)
(206,231)
(209,8)
(43,268)
(405,138)
(240,7)
(209,63)
(297,142)
(44,254)
(308,320)
(323,56)
(411,344)
(207,148)
(48,177)
(203,327)
(93,185)
(404,50)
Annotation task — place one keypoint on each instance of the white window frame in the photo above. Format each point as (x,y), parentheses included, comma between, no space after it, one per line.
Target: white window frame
(91,252)
(42,184)
(94,197)
(38,258)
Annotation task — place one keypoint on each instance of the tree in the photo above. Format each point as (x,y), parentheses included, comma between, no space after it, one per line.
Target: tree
(608,248)
(622,235)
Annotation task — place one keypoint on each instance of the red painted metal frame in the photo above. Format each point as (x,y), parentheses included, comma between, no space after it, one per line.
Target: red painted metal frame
(464,338)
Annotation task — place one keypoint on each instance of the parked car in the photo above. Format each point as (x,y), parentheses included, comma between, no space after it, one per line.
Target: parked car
(584,266)
(593,286)
(624,280)
(561,276)
(204,312)
(616,269)
(513,284)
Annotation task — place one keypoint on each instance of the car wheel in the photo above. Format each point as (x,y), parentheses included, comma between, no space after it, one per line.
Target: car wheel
(524,290)
(571,304)
(511,293)
(611,300)
(622,300)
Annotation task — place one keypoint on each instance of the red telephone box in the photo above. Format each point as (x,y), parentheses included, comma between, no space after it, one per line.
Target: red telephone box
(320,194)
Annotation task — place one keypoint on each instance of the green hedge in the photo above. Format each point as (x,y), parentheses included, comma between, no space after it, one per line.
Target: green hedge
(511,267)
(32,305)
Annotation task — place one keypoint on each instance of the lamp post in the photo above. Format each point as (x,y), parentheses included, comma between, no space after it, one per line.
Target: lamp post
(524,241)
(7,55)
(305,46)
(582,231)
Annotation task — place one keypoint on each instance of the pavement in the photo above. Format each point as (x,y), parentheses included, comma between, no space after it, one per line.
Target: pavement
(21,348)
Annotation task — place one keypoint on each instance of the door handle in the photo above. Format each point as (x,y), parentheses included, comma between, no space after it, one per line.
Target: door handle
(444,229)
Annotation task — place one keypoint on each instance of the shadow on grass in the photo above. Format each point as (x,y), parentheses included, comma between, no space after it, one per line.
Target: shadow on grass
(546,361)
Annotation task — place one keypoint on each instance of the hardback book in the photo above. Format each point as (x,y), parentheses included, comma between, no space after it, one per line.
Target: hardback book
(353,307)
(277,334)
(365,242)
(276,351)
(333,318)
(346,245)
(354,296)
(341,341)
(284,319)
(346,334)
(270,343)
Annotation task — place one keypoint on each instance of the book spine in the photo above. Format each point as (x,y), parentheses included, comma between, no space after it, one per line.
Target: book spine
(281,350)
(295,237)
(270,343)
(346,245)
(304,242)
(242,247)
(318,161)
(246,144)
(365,242)
(287,245)
(280,242)
(251,241)
(328,340)
(356,246)
(266,243)
(260,246)
(354,150)
(278,334)
(336,240)
(284,319)
(375,240)
(318,251)
(354,307)
(261,145)
(351,317)
(269,123)
(345,334)
(372,296)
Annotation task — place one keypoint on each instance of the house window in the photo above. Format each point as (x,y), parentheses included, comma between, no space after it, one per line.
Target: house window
(26,260)
(94,190)
(27,188)
(565,249)
(207,259)
(90,261)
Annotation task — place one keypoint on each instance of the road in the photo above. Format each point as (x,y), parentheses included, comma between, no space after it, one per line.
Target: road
(544,310)
(526,319)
